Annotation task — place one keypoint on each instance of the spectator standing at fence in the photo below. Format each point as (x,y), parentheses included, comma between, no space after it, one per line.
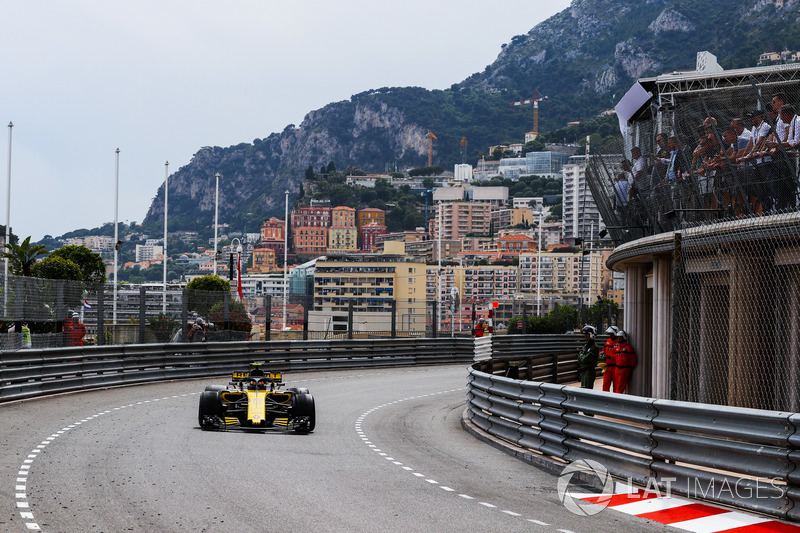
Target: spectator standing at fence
(778,101)
(621,191)
(626,362)
(743,135)
(790,134)
(480,327)
(26,335)
(76,332)
(639,170)
(610,358)
(659,169)
(66,327)
(588,358)
(198,331)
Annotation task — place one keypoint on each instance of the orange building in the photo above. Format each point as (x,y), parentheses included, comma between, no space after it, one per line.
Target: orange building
(343,217)
(264,260)
(273,229)
(371,215)
(511,246)
(310,241)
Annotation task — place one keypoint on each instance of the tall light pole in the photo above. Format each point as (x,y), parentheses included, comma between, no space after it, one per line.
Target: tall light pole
(439,279)
(216,221)
(239,251)
(539,270)
(8,220)
(285,258)
(164,255)
(116,231)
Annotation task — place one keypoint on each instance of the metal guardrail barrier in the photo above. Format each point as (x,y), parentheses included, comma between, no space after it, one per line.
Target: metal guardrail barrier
(36,372)
(745,458)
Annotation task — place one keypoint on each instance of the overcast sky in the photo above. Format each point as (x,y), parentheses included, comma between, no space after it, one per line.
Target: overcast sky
(160,79)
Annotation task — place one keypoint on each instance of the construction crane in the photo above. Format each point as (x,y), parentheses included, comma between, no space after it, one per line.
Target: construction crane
(431,137)
(535,101)
(463,150)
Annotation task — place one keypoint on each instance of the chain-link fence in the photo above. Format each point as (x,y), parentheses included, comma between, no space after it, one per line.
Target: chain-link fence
(716,160)
(701,158)
(60,313)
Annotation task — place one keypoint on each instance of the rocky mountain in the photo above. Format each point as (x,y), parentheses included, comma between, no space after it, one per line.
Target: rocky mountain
(583,59)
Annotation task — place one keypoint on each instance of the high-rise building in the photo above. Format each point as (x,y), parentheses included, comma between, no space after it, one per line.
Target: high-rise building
(459,219)
(581,216)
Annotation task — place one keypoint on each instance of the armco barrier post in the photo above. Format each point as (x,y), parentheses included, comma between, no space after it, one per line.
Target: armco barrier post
(394,319)
(184,316)
(434,332)
(268,319)
(142,315)
(350,318)
(101,309)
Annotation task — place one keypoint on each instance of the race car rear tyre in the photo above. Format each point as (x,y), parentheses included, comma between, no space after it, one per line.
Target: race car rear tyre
(303,406)
(298,390)
(216,387)
(210,408)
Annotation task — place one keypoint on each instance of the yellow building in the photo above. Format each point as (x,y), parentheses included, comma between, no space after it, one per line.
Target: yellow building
(342,239)
(264,260)
(377,287)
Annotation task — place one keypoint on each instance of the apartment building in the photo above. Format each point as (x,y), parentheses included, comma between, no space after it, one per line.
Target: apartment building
(566,274)
(581,216)
(273,230)
(370,216)
(264,260)
(428,251)
(503,218)
(312,217)
(310,241)
(370,233)
(343,233)
(375,284)
(151,250)
(95,243)
(459,219)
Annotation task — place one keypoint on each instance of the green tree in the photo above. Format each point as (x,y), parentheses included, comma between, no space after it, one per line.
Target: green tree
(57,267)
(163,327)
(565,318)
(238,319)
(205,292)
(21,257)
(90,264)
(602,313)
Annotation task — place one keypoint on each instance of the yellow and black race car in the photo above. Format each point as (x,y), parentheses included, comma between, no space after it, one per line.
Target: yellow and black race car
(255,399)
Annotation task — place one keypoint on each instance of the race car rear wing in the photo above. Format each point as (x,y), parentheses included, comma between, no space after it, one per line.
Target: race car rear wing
(272,377)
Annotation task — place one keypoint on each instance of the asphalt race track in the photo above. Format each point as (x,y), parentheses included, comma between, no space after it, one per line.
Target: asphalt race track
(388,455)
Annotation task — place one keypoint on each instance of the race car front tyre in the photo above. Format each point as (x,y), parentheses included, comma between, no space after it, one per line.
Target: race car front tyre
(304,413)
(210,408)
